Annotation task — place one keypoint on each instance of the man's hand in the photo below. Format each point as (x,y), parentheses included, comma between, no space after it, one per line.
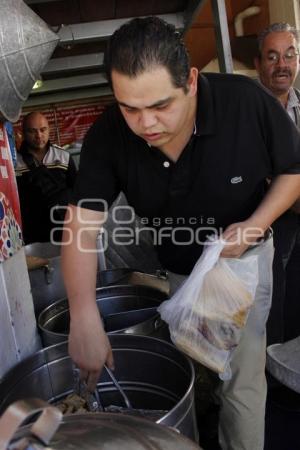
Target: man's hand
(89,347)
(239,236)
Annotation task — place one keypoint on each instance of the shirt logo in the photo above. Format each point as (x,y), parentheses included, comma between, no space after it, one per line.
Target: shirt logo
(236,180)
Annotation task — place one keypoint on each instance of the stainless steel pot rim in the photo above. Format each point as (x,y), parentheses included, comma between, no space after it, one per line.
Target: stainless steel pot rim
(190,387)
(177,424)
(114,291)
(127,331)
(43,249)
(135,288)
(64,345)
(114,421)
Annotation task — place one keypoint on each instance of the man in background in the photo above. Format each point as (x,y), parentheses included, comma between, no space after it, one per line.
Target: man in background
(45,176)
(277,65)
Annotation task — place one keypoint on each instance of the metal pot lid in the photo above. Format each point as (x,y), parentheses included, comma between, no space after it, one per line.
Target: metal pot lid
(89,431)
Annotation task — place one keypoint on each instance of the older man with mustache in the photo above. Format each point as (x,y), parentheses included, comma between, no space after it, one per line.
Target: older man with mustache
(277,65)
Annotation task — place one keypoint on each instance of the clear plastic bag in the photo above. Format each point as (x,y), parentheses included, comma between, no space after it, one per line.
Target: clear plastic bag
(208,312)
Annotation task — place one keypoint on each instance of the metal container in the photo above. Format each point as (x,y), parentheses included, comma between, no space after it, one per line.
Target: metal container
(83,432)
(46,282)
(283,362)
(26,44)
(126,275)
(124,309)
(152,372)
(42,249)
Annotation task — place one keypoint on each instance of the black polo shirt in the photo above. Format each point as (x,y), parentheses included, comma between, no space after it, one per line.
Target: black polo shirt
(242,136)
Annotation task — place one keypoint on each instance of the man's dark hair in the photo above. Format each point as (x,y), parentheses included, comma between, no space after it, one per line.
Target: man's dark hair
(145,43)
(277,27)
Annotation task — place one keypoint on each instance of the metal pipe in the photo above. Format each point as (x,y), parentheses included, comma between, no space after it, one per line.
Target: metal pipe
(239,18)
(222,36)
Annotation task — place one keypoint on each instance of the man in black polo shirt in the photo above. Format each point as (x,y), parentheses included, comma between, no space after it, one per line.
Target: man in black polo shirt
(191,154)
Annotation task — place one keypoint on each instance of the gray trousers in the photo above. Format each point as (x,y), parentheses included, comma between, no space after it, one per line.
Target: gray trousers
(243,397)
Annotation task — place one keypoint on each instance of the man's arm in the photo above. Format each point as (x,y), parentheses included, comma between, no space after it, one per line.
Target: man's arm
(89,346)
(283,192)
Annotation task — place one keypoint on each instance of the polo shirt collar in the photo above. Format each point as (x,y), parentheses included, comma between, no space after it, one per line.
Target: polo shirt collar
(205,122)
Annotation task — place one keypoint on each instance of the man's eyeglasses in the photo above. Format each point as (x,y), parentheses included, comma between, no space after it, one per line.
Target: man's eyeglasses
(288,57)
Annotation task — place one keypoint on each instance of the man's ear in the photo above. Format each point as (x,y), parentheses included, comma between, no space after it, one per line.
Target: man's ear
(192,81)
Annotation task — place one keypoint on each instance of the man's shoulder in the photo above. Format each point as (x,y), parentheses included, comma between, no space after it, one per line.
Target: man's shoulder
(233,81)
(241,88)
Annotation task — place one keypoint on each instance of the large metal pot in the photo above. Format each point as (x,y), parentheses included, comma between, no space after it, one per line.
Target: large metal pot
(83,432)
(47,285)
(152,372)
(46,282)
(124,309)
(126,275)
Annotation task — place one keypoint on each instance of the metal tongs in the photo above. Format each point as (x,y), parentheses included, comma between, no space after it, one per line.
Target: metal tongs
(94,403)
(119,388)
(153,415)
(92,399)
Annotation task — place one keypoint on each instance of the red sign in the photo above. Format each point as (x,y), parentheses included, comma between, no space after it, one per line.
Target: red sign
(73,123)
(68,124)
(10,218)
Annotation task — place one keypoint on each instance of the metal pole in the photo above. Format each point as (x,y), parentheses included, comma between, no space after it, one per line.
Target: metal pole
(222,36)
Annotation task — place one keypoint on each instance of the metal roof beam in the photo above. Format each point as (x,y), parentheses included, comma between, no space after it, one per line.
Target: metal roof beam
(58,97)
(99,30)
(72,63)
(63,84)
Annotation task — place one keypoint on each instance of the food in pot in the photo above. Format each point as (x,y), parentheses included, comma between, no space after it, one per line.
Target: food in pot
(73,404)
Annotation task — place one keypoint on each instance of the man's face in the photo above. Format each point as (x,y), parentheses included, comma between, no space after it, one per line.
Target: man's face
(279,62)
(37,132)
(153,108)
